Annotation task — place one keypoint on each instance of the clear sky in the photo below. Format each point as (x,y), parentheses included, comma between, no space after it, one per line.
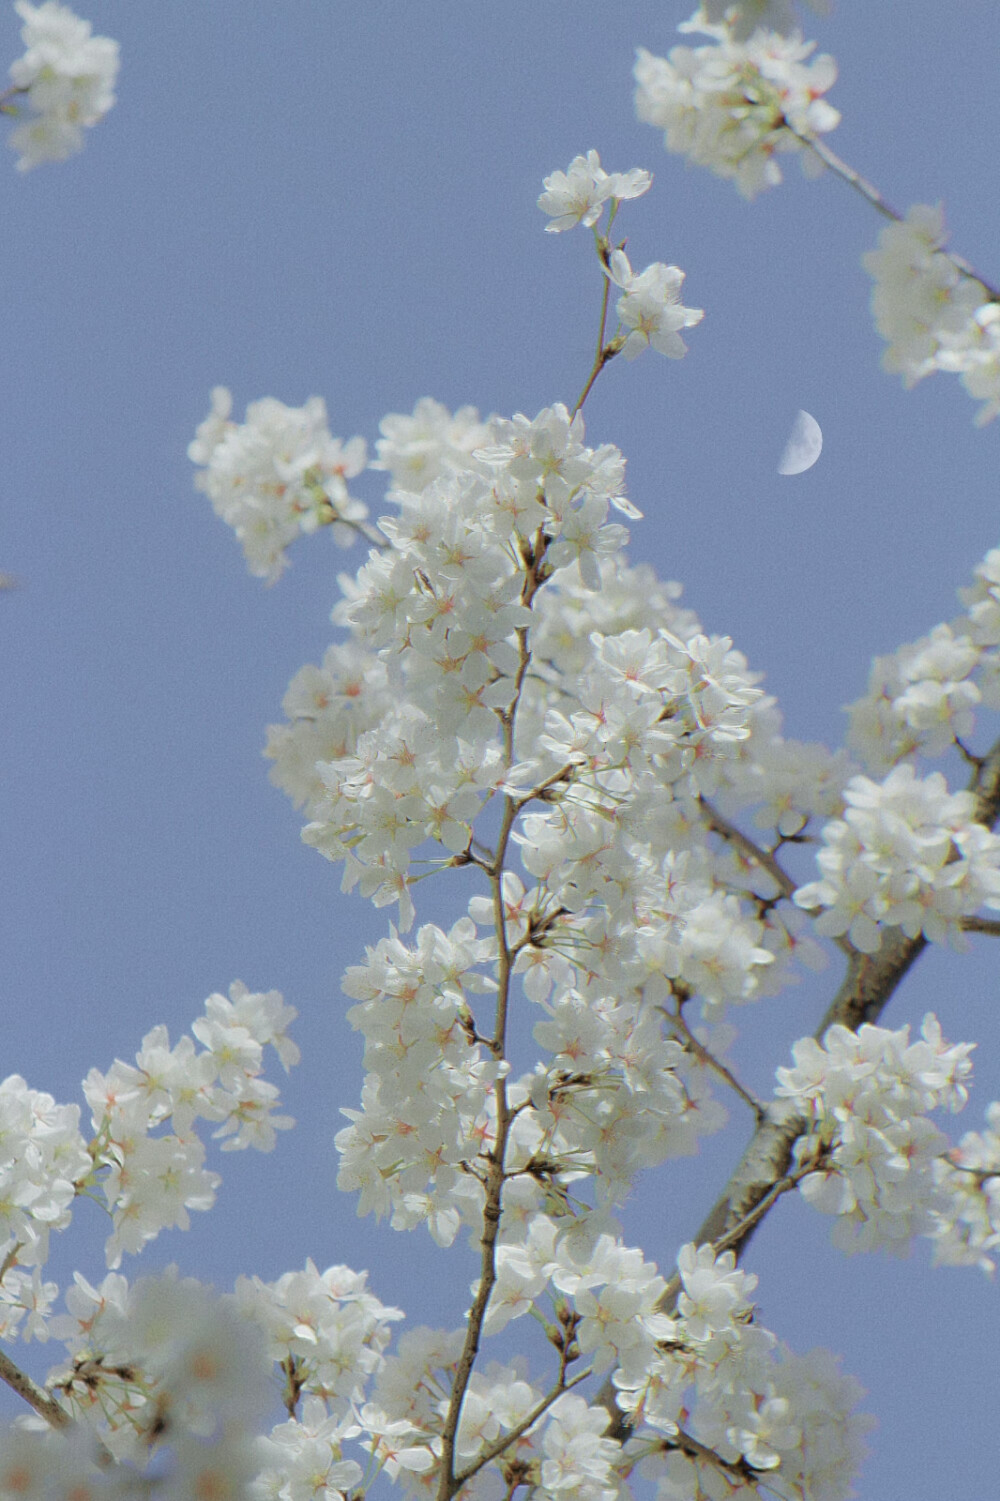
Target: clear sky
(338,199)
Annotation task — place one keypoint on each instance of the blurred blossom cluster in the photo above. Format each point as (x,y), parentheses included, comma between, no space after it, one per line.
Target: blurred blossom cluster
(744,17)
(739,102)
(277,474)
(933,312)
(65,82)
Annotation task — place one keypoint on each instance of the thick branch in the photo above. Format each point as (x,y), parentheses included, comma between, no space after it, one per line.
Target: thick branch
(989,925)
(867,988)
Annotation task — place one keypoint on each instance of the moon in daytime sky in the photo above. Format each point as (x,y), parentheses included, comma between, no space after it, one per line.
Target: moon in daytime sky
(803,446)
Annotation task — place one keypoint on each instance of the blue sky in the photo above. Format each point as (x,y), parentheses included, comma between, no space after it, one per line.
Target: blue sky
(333,199)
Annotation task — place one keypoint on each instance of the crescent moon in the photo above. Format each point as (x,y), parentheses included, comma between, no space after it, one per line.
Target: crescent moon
(803,447)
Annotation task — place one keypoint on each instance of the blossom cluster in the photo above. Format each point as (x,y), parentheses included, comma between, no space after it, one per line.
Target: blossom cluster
(880,1162)
(446,606)
(419,446)
(736,104)
(328,708)
(650,309)
(413,1146)
(968,1228)
(607,719)
(166,1361)
(474,674)
(578,195)
(506,675)
(907,854)
(150,1175)
(508,685)
(708,1372)
(327,1333)
(933,313)
(564,1453)
(65,80)
(42,1159)
(923,698)
(616,1096)
(276,475)
(728,1383)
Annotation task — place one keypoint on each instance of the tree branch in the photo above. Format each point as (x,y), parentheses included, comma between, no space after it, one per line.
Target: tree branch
(35,1395)
(747,847)
(676,1019)
(874,197)
(868,986)
(989,925)
(495,1175)
(762,1175)
(494,1450)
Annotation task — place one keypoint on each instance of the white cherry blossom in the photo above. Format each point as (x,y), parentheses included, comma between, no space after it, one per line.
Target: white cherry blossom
(735,105)
(578,195)
(932,312)
(650,308)
(276,475)
(65,80)
(906,854)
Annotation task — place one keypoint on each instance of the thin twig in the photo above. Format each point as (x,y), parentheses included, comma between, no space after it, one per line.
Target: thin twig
(847,174)
(365,531)
(753,852)
(495,1174)
(605,352)
(492,1451)
(676,1018)
(861,185)
(6,107)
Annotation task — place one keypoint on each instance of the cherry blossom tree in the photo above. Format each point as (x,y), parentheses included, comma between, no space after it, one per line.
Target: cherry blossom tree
(516,717)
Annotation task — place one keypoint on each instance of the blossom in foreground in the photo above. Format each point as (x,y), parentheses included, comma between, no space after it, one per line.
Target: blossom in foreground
(65,80)
(734,105)
(161,1375)
(578,195)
